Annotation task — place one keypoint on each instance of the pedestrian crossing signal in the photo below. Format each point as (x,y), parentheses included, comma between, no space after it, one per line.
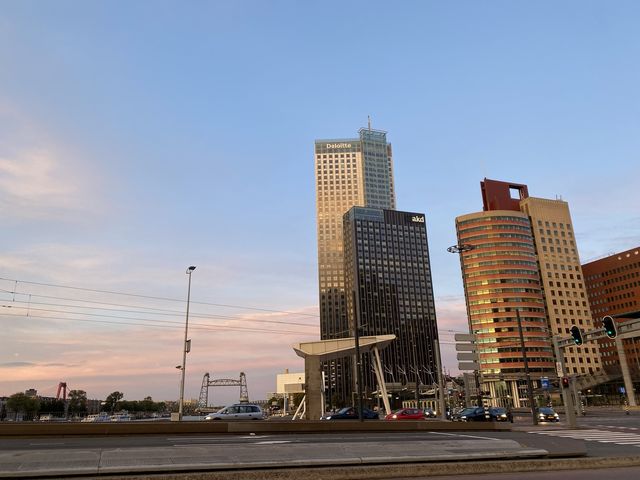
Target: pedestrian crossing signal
(576,333)
(565,382)
(609,326)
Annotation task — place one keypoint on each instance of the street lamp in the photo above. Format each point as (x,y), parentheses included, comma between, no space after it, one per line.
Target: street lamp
(460,249)
(186,346)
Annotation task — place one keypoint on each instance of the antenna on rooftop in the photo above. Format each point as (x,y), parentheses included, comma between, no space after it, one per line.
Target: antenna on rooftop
(369,121)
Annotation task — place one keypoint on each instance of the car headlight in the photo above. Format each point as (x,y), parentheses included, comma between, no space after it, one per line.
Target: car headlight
(328,418)
(503,415)
(394,416)
(463,417)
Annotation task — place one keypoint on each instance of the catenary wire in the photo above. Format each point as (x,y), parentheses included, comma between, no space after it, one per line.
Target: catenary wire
(151,297)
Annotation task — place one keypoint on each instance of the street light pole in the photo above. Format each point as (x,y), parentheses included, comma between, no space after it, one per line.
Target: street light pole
(527,375)
(460,249)
(185,346)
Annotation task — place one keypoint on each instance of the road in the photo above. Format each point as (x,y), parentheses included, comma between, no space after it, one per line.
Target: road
(631,473)
(607,435)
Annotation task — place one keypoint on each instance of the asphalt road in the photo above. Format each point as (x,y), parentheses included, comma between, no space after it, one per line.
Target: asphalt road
(629,473)
(605,435)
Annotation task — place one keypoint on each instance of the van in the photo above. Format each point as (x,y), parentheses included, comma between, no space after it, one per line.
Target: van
(239,411)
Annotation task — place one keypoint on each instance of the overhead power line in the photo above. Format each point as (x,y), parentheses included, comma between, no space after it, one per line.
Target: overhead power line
(157,324)
(149,310)
(151,297)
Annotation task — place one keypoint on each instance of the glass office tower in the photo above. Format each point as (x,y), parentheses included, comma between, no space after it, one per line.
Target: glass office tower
(348,172)
(389,276)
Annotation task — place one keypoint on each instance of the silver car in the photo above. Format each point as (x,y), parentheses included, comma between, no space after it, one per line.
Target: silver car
(239,411)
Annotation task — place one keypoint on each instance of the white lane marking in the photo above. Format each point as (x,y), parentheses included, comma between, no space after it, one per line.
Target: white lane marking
(272,442)
(46,443)
(600,436)
(212,437)
(467,436)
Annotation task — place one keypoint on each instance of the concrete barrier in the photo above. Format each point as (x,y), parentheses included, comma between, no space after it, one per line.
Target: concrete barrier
(24,429)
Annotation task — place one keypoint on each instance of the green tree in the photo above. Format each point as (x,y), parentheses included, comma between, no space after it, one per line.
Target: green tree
(52,407)
(147,405)
(77,402)
(21,403)
(111,402)
(297,399)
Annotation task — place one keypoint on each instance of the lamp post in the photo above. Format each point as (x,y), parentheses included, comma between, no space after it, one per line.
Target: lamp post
(186,345)
(460,249)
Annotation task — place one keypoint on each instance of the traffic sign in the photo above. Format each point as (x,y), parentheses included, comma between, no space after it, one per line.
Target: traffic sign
(464,337)
(468,356)
(468,366)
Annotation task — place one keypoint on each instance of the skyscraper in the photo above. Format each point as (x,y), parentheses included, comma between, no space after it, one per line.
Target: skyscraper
(388,270)
(561,274)
(349,172)
(524,259)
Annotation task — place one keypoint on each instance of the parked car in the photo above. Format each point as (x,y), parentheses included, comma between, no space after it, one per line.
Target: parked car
(407,414)
(351,413)
(547,414)
(240,411)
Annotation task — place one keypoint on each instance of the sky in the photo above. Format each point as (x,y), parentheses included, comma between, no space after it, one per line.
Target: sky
(140,137)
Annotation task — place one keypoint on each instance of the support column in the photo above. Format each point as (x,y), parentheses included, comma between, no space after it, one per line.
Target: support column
(441,405)
(313,387)
(628,383)
(569,407)
(382,387)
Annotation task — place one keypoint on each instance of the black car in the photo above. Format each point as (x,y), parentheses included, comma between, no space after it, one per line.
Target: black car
(351,413)
(547,414)
(429,413)
(481,414)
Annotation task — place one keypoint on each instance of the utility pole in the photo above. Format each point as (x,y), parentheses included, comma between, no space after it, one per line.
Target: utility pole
(526,370)
(358,367)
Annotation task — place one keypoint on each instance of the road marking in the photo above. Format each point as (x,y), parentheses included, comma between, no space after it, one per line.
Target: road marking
(467,436)
(46,443)
(601,436)
(212,437)
(617,426)
(272,442)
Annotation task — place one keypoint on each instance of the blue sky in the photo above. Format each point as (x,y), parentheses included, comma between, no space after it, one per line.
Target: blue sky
(137,138)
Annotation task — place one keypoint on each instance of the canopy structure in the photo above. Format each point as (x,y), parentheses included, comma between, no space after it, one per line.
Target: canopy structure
(323,350)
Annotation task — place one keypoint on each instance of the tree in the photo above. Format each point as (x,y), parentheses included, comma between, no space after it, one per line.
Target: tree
(52,407)
(21,403)
(297,399)
(77,402)
(111,402)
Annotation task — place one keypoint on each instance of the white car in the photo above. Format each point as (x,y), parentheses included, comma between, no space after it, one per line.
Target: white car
(239,411)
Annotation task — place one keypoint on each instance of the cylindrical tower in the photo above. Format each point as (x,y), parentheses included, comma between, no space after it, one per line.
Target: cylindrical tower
(501,276)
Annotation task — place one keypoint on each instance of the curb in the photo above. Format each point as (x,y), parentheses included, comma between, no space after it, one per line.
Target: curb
(366,472)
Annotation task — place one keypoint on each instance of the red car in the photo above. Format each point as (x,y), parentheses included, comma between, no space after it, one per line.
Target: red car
(407,414)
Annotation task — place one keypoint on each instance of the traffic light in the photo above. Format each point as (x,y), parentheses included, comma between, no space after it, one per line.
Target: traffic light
(576,333)
(565,382)
(609,325)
